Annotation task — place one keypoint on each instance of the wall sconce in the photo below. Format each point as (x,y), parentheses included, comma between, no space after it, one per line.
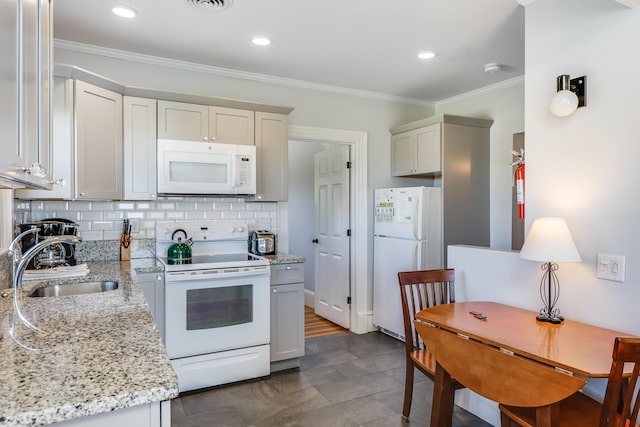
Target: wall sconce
(571,95)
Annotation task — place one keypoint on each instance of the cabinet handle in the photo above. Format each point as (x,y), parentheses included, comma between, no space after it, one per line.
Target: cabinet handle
(212,138)
(204,138)
(274,291)
(153,196)
(288,267)
(82,193)
(35,169)
(158,277)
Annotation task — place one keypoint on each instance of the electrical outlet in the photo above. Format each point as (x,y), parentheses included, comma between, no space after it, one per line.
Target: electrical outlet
(610,267)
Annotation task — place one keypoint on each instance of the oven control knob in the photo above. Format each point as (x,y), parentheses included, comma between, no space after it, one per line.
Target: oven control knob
(240,229)
(232,229)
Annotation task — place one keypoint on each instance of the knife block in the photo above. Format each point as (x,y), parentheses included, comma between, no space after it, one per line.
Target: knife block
(125,253)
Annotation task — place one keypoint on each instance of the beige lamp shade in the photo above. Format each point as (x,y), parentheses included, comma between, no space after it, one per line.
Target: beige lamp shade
(549,240)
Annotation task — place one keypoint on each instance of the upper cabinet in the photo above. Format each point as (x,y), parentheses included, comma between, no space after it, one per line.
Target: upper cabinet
(425,147)
(231,126)
(272,146)
(455,151)
(25,77)
(98,142)
(194,122)
(87,143)
(139,124)
(416,151)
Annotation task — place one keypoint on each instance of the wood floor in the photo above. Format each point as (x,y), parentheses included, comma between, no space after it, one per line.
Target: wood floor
(316,326)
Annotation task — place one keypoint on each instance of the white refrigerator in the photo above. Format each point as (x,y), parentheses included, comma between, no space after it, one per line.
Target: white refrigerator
(407,236)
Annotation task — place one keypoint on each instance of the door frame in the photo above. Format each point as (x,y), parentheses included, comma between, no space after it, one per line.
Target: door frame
(360,316)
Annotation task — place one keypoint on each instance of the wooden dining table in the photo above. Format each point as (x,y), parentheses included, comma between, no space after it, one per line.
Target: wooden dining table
(576,348)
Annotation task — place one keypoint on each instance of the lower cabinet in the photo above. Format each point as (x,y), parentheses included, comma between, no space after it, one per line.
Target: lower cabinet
(155,414)
(287,315)
(153,287)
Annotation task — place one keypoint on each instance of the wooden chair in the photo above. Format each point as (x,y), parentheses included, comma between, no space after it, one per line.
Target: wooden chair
(619,409)
(420,290)
(494,374)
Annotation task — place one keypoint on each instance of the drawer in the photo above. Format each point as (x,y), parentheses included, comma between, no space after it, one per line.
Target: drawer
(287,273)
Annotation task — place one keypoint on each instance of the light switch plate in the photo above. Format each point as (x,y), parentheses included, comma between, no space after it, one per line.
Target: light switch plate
(610,267)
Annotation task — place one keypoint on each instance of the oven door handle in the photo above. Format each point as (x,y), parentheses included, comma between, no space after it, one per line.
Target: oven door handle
(181,276)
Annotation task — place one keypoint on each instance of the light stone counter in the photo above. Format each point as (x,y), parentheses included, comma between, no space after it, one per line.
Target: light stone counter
(283,258)
(97,353)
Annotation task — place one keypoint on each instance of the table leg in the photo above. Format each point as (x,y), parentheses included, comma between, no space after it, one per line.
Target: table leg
(443,392)
(548,416)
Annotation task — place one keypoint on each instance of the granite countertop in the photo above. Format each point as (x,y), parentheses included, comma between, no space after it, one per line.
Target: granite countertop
(283,258)
(97,353)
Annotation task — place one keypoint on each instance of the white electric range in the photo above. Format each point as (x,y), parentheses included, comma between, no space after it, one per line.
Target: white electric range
(216,304)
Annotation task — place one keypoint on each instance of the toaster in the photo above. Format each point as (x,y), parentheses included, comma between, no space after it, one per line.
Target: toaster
(262,242)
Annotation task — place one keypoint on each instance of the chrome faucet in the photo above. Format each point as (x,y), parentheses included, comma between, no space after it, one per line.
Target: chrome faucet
(19,261)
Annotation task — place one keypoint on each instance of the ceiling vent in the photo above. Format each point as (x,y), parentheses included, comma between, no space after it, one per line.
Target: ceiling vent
(212,4)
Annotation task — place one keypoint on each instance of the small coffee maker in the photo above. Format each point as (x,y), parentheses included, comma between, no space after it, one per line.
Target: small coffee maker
(56,254)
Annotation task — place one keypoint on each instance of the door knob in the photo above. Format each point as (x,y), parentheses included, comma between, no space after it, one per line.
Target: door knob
(314,241)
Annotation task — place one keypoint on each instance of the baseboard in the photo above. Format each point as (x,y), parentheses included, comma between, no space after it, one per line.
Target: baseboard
(309,298)
(478,406)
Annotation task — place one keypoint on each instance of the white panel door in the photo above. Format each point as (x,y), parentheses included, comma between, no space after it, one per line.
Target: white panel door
(332,258)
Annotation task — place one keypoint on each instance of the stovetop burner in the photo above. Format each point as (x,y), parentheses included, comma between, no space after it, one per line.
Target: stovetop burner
(215,245)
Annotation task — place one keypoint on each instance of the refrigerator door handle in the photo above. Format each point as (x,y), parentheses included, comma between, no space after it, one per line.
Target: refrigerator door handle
(416,247)
(415,219)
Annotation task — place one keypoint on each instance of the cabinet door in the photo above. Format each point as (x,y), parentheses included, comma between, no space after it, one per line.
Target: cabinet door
(9,143)
(185,122)
(153,287)
(231,126)
(139,148)
(287,321)
(403,153)
(25,74)
(428,149)
(98,143)
(63,167)
(272,152)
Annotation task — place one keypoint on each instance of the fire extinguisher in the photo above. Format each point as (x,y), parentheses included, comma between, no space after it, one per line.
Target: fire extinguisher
(519,180)
(520,189)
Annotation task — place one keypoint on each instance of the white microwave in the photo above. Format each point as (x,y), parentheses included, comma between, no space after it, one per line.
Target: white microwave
(205,168)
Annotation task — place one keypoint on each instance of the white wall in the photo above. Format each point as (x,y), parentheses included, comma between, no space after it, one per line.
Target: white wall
(582,168)
(301,205)
(585,167)
(504,104)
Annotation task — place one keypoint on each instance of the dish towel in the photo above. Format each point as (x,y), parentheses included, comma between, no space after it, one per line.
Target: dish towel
(61,272)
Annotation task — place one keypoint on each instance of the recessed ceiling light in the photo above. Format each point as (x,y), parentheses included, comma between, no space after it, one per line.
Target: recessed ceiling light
(427,54)
(124,11)
(261,41)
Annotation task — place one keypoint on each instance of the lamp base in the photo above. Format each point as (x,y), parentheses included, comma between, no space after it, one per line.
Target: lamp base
(556,320)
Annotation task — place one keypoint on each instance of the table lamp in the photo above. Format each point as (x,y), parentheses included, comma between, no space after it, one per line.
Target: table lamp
(549,241)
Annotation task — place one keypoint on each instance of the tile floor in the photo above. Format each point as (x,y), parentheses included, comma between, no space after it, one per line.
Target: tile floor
(344,380)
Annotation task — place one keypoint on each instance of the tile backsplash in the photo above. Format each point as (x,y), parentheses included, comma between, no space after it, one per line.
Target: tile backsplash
(102,220)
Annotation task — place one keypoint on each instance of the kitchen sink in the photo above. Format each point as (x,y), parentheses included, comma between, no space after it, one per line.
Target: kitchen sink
(75,289)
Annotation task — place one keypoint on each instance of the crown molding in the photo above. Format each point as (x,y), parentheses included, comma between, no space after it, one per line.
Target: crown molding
(227,72)
(525,2)
(483,90)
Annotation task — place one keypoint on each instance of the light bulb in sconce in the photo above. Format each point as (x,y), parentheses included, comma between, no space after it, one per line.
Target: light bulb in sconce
(566,100)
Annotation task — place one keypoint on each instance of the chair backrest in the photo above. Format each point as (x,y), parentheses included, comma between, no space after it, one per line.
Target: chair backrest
(620,395)
(419,290)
